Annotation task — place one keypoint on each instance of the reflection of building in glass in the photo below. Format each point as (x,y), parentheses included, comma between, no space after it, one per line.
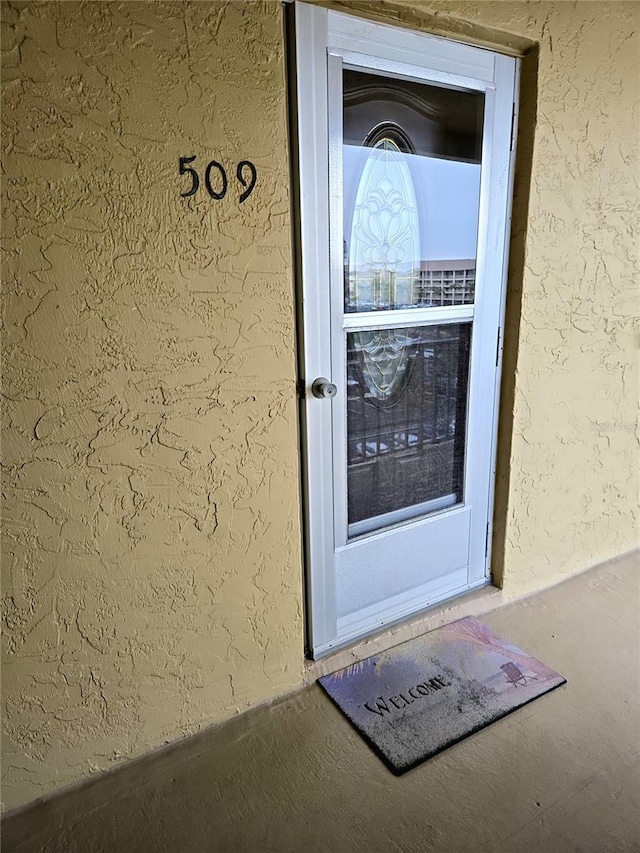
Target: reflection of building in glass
(448,282)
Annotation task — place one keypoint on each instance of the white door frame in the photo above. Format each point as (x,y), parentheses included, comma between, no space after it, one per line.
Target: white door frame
(324,41)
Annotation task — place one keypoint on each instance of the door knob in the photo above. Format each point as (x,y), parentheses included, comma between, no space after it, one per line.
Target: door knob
(323,388)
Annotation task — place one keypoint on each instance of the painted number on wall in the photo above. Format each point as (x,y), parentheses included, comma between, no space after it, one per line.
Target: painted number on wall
(215,178)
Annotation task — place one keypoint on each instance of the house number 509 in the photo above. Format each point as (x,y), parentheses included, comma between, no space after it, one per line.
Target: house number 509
(215,178)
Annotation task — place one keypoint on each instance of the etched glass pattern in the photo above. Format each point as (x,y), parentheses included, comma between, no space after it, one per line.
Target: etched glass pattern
(385,241)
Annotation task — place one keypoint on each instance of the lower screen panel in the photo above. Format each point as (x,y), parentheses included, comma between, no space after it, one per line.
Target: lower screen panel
(406,422)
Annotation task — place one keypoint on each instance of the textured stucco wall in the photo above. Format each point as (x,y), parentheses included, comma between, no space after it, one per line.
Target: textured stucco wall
(151,558)
(152,578)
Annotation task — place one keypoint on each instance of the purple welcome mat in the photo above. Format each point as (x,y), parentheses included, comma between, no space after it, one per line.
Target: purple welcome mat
(417,699)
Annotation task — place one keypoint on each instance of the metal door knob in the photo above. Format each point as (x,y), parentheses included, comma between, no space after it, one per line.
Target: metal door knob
(323,388)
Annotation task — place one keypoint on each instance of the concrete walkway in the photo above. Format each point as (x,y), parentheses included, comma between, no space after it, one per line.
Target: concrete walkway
(561,774)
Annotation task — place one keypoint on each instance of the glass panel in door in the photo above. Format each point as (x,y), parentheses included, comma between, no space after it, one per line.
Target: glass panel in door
(406,420)
(411,176)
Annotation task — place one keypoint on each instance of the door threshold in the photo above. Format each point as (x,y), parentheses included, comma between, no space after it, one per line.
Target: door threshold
(474,603)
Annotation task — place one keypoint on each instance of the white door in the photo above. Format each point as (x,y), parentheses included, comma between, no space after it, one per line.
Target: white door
(404,159)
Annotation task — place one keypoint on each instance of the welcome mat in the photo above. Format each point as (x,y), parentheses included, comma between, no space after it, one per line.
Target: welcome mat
(417,699)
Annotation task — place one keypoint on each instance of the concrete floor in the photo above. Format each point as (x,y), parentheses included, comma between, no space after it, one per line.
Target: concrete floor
(561,774)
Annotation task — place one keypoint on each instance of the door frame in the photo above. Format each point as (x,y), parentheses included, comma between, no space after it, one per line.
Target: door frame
(351,39)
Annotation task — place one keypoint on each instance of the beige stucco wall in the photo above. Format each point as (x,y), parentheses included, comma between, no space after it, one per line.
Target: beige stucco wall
(152,549)
(152,556)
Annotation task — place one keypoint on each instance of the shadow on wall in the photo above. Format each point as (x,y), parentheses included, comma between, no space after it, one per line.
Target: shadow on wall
(520,217)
